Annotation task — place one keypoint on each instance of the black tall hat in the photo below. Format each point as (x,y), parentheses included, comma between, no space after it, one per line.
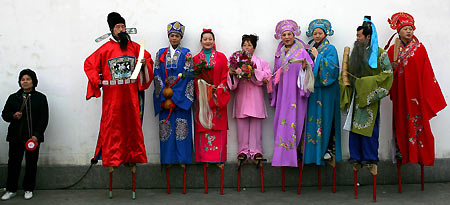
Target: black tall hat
(114,18)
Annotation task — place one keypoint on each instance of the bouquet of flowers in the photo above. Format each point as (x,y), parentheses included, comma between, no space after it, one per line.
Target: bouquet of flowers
(203,68)
(241,65)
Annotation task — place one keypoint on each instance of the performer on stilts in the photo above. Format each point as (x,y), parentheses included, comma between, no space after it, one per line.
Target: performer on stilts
(249,108)
(323,119)
(293,81)
(370,75)
(110,68)
(173,98)
(212,96)
(416,97)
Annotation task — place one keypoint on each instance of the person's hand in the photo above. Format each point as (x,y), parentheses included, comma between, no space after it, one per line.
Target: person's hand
(143,63)
(17,115)
(394,65)
(314,52)
(304,63)
(34,138)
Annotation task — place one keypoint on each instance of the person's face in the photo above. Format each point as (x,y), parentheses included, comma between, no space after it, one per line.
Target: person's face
(361,37)
(406,33)
(318,35)
(120,27)
(26,82)
(248,46)
(174,39)
(207,41)
(287,38)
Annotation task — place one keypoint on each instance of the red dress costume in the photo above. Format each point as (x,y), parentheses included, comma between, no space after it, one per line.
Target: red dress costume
(120,139)
(211,144)
(416,98)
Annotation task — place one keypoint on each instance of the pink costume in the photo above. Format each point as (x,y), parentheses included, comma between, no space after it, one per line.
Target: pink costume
(249,108)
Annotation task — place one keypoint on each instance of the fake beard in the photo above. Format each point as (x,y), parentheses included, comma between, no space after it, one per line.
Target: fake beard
(123,40)
(358,62)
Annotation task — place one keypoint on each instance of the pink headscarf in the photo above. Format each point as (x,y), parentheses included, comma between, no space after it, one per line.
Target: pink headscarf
(286,25)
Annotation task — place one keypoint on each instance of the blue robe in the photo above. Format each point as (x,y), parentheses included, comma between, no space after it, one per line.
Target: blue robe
(323,107)
(176,134)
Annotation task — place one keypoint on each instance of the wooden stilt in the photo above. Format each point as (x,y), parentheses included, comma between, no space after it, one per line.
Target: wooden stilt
(184,179)
(375,188)
(319,179)
(282,179)
(261,174)
(205,178)
(399,174)
(422,177)
(168,180)
(110,183)
(334,179)
(239,180)
(300,176)
(355,182)
(221,179)
(133,186)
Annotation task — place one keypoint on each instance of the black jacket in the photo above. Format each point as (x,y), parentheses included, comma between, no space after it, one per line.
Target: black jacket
(18,129)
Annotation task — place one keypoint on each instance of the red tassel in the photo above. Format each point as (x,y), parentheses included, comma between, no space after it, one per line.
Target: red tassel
(319,179)
(422,181)
(355,182)
(221,180)
(205,178)
(184,180)
(261,174)
(172,106)
(334,179)
(168,180)
(300,176)
(399,174)
(282,179)
(374,188)
(239,180)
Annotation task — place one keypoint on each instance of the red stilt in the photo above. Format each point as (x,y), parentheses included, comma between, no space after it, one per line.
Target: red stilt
(300,176)
(221,180)
(334,179)
(319,179)
(261,174)
(110,184)
(399,174)
(184,180)
(282,179)
(133,186)
(422,173)
(168,180)
(375,188)
(239,180)
(205,177)
(355,182)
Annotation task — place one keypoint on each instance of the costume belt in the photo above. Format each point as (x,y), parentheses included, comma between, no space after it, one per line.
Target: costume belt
(117,82)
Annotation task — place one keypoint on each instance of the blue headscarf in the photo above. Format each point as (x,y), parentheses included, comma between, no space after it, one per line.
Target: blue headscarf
(324,24)
(373,53)
(175,27)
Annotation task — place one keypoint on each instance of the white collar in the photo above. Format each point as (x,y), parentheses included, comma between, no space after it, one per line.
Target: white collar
(172,51)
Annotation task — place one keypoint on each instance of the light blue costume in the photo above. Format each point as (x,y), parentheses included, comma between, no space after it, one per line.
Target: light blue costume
(323,119)
(176,134)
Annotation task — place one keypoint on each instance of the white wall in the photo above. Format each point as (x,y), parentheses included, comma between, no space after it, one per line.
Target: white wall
(54,38)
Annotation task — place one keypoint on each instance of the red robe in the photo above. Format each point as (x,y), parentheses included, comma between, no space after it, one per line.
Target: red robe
(211,144)
(120,139)
(416,98)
